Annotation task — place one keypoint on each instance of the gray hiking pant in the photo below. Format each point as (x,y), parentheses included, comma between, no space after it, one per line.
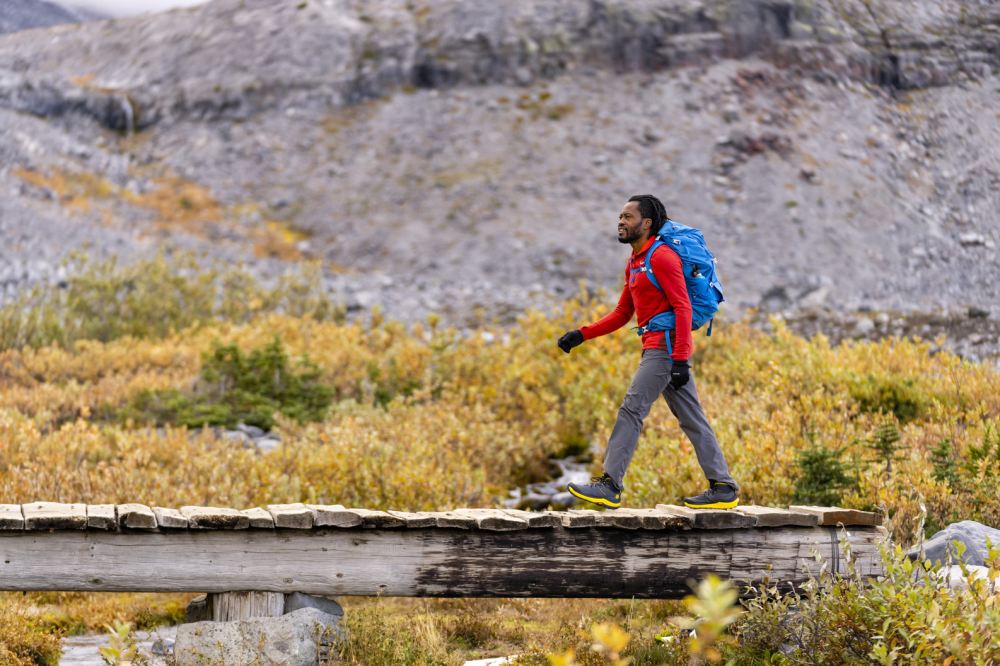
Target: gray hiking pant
(652,379)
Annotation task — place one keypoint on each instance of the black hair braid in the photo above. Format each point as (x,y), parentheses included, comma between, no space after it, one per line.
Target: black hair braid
(651,207)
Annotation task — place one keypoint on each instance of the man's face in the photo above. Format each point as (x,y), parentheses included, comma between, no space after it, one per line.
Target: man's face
(631,225)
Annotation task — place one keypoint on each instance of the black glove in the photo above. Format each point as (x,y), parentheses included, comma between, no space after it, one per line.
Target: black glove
(570,340)
(680,373)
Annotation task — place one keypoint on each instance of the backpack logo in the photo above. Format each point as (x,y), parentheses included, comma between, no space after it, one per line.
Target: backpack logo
(702,282)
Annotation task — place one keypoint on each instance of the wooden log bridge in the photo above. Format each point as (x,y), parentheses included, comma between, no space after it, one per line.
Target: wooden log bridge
(333,550)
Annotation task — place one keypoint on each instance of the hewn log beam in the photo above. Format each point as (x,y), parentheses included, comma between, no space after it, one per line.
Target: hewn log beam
(554,562)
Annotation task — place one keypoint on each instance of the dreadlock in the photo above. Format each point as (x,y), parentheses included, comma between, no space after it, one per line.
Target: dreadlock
(651,207)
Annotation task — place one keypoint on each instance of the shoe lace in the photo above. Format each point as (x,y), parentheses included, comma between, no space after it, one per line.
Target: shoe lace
(604,479)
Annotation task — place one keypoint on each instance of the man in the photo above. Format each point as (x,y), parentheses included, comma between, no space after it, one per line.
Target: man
(660,372)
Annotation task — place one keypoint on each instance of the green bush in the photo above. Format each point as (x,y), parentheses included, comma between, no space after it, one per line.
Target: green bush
(235,387)
(970,474)
(910,615)
(984,458)
(898,396)
(822,476)
(102,300)
(943,461)
(884,443)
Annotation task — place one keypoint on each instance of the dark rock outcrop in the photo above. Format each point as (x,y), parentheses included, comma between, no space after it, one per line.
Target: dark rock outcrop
(278,54)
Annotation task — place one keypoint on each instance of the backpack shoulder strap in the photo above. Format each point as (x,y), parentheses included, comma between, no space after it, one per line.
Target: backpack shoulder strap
(648,267)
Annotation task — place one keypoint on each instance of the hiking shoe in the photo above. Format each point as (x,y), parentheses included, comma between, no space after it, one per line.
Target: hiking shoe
(603,491)
(718,496)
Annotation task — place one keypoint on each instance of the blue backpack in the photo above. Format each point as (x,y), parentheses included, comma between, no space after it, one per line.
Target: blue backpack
(703,286)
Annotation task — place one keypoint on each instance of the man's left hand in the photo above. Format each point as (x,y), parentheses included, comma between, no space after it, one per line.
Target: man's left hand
(680,373)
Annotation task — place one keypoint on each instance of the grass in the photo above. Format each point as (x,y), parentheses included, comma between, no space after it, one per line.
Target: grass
(424,417)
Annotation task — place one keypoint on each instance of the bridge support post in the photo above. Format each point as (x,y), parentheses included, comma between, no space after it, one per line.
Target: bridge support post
(232,606)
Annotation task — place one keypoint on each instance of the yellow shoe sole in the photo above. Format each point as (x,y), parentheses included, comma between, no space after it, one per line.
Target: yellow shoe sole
(595,500)
(714,505)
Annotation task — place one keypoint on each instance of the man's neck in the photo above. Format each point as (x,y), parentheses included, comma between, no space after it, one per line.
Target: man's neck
(639,242)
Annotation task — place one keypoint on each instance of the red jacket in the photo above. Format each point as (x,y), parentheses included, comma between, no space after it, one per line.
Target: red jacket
(641,298)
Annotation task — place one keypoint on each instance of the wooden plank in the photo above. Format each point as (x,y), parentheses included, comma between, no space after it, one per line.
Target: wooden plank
(294,516)
(170,518)
(136,517)
(244,605)
(102,517)
(710,519)
(54,516)
(450,519)
(494,519)
(11,517)
(416,519)
(537,519)
(579,518)
(433,562)
(765,516)
(259,518)
(334,515)
(215,518)
(831,515)
(379,519)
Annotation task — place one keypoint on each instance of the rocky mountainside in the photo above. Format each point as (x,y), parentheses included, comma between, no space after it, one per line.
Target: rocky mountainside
(23,14)
(471,156)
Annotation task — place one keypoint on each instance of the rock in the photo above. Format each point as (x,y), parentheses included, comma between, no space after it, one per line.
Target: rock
(533,501)
(237,436)
(563,500)
(809,175)
(162,647)
(252,431)
(974,535)
(774,299)
(978,313)
(267,443)
(300,638)
(971,239)
(864,326)
(297,600)
(957,579)
(198,609)
(814,298)
(542,488)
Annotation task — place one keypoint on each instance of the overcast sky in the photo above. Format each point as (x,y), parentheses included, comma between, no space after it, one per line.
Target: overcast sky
(126,7)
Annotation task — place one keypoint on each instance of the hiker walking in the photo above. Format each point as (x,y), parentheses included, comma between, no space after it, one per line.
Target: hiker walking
(656,292)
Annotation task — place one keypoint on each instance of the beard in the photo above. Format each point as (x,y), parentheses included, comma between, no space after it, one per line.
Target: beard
(631,235)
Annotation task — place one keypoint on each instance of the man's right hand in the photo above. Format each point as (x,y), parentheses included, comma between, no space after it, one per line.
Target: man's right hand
(570,340)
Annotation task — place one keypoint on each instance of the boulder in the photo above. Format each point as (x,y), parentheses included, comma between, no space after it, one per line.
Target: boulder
(198,609)
(297,600)
(972,534)
(301,638)
(957,579)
